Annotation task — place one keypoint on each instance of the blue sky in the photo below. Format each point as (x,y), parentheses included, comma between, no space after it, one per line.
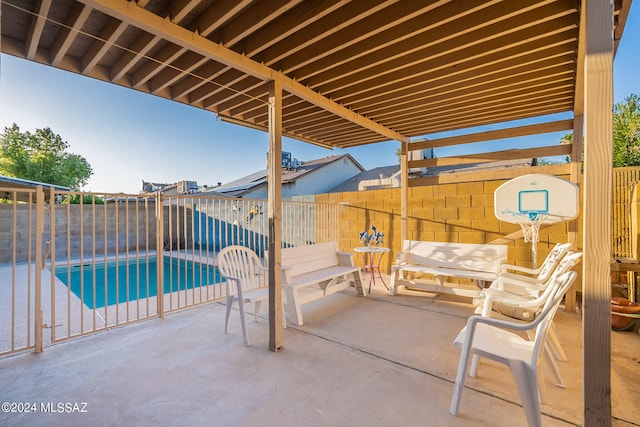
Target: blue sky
(128,136)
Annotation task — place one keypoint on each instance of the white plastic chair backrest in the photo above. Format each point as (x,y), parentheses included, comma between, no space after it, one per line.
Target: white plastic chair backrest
(559,286)
(567,263)
(548,288)
(552,260)
(240,263)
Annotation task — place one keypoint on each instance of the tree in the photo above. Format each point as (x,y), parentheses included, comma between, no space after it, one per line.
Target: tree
(86,199)
(626,132)
(41,157)
(568,139)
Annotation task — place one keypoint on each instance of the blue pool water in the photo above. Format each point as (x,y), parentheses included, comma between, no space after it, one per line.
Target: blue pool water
(96,283)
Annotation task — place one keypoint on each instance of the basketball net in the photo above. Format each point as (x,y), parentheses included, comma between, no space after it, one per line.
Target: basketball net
(531,227)
(530,230)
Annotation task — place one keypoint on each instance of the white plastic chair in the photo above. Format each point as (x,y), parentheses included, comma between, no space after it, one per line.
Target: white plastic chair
(241,267)
(492,338)
(533,298)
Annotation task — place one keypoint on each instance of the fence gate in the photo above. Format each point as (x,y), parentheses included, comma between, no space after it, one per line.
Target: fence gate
(21,218)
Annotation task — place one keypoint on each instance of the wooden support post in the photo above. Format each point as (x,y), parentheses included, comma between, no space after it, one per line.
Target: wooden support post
(275,215)
(404,192)
(596,270)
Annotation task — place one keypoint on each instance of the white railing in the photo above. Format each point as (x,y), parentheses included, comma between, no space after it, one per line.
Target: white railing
(107,260)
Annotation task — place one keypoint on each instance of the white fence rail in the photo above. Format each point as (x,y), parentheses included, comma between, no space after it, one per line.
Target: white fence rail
(107,260)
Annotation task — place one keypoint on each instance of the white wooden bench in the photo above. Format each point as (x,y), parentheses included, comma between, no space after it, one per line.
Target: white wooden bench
(480,262)
(314,271)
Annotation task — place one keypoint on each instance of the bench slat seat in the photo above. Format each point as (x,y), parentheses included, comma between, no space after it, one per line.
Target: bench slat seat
(480,262)
(323,275)
(451,272)
(313,272)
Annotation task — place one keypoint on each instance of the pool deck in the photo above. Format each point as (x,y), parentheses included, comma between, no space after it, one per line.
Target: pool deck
(72,317)
(358,361)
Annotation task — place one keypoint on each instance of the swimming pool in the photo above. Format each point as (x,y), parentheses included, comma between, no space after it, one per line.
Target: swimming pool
(122,281)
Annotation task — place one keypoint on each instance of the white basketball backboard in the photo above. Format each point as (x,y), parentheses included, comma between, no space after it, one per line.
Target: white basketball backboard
(526,197)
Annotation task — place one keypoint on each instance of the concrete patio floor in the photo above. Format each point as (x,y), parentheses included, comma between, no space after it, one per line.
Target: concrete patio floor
(374,361)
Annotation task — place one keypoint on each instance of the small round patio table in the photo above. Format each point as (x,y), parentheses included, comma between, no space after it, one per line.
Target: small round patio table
(369,253)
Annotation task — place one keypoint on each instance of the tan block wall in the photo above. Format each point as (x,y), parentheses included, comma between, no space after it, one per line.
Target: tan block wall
(461,212)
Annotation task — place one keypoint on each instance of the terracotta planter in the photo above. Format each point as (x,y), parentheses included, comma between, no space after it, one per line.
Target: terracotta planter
(623,305)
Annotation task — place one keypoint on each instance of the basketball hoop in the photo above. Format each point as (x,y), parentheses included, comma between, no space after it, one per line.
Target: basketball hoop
(533,199)
(531,227)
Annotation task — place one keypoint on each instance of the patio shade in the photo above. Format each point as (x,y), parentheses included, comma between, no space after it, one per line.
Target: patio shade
(352,72)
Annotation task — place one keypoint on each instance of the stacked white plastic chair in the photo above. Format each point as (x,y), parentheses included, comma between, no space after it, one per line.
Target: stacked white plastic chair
(524,281)
(531,298)
(493,338)
(246,283)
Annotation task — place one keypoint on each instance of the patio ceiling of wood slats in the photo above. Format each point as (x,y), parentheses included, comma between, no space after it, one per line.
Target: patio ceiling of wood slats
(353,72)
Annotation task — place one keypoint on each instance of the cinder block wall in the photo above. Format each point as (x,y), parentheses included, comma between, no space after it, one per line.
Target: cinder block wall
(112,228)
(78,230)
(462,212)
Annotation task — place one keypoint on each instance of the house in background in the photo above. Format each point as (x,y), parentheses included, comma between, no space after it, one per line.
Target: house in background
(177,188)
(298,178)
(373,179)
(152,187)
(389,176)
(180,188)
(333,174)
(11,189)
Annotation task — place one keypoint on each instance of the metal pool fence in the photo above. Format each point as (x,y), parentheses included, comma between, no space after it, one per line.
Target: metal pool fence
(73,263)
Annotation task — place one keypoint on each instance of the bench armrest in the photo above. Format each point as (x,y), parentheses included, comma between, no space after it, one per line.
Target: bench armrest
(401,258)
(345,258)
(286,274)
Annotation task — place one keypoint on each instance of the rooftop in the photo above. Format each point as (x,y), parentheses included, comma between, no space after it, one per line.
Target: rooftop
(378,360)
(387,171)
(241,186)
(27,184)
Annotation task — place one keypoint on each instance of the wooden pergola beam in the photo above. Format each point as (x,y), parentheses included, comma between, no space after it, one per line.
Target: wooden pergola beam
(494,134)
(132,14)
(36,28)
(494,156)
